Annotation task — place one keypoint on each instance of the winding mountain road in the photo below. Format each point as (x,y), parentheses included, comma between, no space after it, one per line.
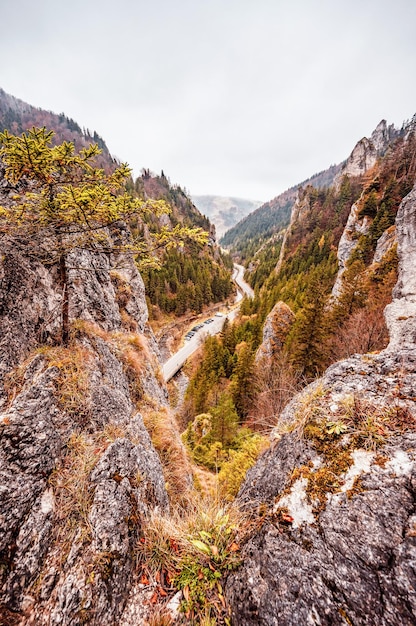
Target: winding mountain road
(176,361)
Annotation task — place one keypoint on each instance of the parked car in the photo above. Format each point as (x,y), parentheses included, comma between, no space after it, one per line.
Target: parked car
(219,314)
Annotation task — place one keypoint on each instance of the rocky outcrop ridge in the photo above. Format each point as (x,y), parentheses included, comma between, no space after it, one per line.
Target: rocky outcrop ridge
(367,151)
(300,209)
(334,499)
(79,473)
(354,227)
(275,330)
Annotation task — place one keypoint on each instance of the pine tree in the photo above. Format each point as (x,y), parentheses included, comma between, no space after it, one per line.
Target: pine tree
(307,339)
(62,202)
(224,421)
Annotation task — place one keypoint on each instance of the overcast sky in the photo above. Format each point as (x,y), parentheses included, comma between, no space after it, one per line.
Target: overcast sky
(230,97)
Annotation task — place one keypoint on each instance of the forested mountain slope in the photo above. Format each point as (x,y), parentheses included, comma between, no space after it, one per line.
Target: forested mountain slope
(246,238)
(187,279)
(339,239)
(17,116)
(190,277)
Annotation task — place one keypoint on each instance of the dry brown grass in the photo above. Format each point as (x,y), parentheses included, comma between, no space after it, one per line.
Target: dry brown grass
(193,550)
(71,484)
(73,385)
(15,379)
(163,431)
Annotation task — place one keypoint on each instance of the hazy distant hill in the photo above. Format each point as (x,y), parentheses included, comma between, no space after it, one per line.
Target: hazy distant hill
(224,212)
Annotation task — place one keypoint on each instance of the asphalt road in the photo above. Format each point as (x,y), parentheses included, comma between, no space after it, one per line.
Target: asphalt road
(244,288)
(177,360)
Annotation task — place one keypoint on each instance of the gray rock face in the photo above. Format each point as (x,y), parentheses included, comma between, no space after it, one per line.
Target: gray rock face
(275,330)
(366,151)
(353,228)
(382,136)
(385,244)
(300,209)
(354,564)
(79,473)
(361,159)
(30,301)
(337,534)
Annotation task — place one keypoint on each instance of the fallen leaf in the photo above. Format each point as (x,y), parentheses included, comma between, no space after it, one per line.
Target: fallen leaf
(186,593)
(214,550)
(144,580)
(234,547)
(287,518)
(154,598)
(162,592)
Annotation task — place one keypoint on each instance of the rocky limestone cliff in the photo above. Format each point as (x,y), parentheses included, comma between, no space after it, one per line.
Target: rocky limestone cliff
(360,223)
(333,501)
(300,209)
(79,473)
(354,227)
(367,151)
(275,330)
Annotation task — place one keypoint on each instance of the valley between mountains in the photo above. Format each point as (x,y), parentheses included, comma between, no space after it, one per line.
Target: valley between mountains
(262,473)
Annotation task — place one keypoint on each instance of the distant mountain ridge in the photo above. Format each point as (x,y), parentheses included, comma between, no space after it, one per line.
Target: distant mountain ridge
(224,211)
(267,222)
(189,278)
(270,218)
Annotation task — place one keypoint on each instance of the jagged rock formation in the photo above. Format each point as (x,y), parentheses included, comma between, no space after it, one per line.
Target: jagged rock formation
(300,208)
(275,330)
(336,537)
(367,151)
(79,473)
(355,226)
(363,162)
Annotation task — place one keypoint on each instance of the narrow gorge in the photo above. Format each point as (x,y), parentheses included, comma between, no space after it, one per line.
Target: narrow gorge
(118,508)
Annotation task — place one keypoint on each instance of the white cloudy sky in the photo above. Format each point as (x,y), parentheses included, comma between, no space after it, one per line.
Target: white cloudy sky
(228,97)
